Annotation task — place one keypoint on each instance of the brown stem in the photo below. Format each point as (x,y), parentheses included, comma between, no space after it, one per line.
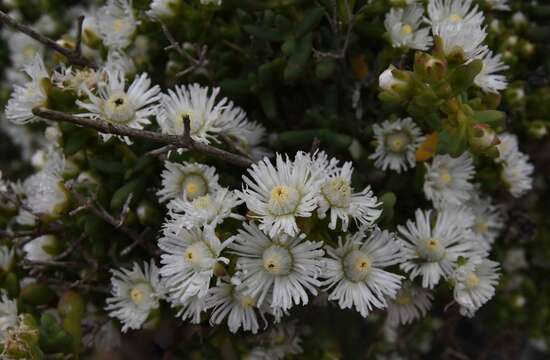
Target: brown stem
(184,141)
(73,56)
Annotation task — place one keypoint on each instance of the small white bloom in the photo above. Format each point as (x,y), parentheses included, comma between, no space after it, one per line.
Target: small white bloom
(23,48)
(447,179)
(286,267)
(498,4)
(517,174)
(487,221)
(188,260)
(8,314)
(230,301)
(281,342)
(453,11)
(162,8)
(487,80)
(387,81)
(515,260)
(197,103)
(190,308)
(403,26)
(42,248)
(135,293)
(120,106)
(508,146)
(6,258)
(396,144)
(475,283)
(208,209)
(76,79)
(116,23)
(32,94)
(463,37)
(411,303)
(336,195)
(279,194)
(431,251)
(249,136)
(187,181)
(355,274)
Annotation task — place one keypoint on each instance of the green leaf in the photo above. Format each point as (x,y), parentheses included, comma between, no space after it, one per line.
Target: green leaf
(312,18)
(264,33)
(494,118)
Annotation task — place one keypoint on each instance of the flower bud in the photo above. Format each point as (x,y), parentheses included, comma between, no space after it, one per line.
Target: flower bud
(538,129)
(430,67)
(395,84)
(482,138)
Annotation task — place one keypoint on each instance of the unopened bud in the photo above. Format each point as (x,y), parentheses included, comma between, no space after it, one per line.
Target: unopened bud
(482,138)
(430,67)
(395,84)
(538,129)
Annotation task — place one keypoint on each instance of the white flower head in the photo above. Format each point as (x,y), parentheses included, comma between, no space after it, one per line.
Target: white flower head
(279,194)
(336,195)
(464,38)
(135,293)
(286,268)
(355,274)
(8,314)
(30,95)
(188,260)
(162,8)
(508,146)
(229,301)
(120,106)
(189,308)
(23,48)
(487,80)
(396,144)
(453,11)
(208,209)
(475,283)
(431,250)
(403,27)
(42,248)
(116,23)
(517,170)
(6,258)
(249,135)
(76,79)
(197,103)
(487,220)
(279,343)
(448,179)
(411,303)
(187,181)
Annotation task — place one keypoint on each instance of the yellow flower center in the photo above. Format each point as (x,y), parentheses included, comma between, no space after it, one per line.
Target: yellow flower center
(397,141)
(194,186)
(406,29)
(431,250)
(337,192)
(137,296)
(455,18)
(403,298)
(472,280)
(444,177)
(277,260)
(283,200)
(120,25)
(247,301)
(119,109)
(481,227)
(357,265)
(196,253)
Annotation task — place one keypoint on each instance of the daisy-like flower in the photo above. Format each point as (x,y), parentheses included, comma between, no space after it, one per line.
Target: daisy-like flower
(355,274)
(229,301)
(517,170)
(119,106)
(286,268)
(8,314)
(249,136)
(336,195)
(209,209)
(162,8)
(431,251)
(23,48)
(447,179)
(462,39)
(135,294)
(76,79)
(188,260)
(507,147)
(396,144)
(453,11)
(32,94)
(190,308)
(6,258)
(403,27)
(475,283)
(279,194)
(487,221)
(487,80)
(45,191)
(116,23)
(187,181)
(197,103)
(411,303)
(42,248)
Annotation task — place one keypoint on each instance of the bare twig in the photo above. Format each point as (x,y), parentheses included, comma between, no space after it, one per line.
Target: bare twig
(135,243)
(314,145)
(70,248)
(78,45)
(234,146)
(73,56)
(179,141)
(161,151)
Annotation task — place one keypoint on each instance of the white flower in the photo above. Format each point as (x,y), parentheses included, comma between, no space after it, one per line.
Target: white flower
(462,38)
(208,209)
(23,48)
(199,105)
(453,11)
(187,181)
(45,191)
(281,342)
(431,251)
(515,260)
(411,303)
(116,23)
(403,26)
(396,144)
(487,80)
(135,293)
(517,170)
(475,283)
(3,184)
(355,274)
(190,308)
(6,258)
(336,195)
(42,248)
(447,179)
(278,194)
(508,146)
(8,314)
(285,267)
(230,301)
(188,260)
(162,8)
(76,79)
(119,106)
(487,221)
(387,81)
(32,94)
(498,4)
